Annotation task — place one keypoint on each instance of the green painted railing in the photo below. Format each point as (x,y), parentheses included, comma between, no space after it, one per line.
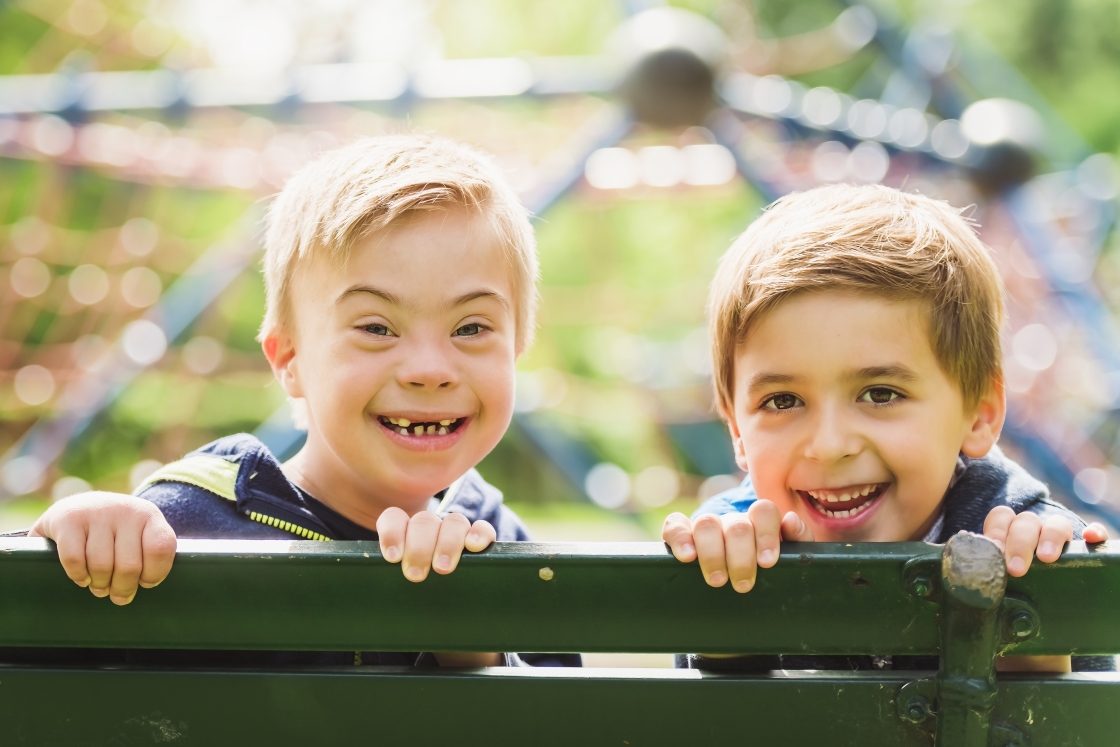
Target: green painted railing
(820,598)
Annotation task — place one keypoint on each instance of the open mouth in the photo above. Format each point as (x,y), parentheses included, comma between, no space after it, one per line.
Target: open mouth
(418,429)
(847,502)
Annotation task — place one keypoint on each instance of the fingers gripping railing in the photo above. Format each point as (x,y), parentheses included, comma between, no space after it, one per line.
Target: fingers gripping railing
(877,599)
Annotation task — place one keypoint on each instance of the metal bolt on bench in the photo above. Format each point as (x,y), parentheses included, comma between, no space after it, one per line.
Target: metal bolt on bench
(879,599)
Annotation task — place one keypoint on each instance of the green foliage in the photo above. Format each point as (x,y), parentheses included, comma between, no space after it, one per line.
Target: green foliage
(20,182)
(241,309)
(1069,49)
(20,33)
(495,28)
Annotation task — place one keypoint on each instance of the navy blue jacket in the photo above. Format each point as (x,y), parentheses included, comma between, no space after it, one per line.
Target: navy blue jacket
(234,488)
(256,500)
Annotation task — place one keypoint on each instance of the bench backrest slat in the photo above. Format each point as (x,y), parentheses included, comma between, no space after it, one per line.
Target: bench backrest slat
(629,597)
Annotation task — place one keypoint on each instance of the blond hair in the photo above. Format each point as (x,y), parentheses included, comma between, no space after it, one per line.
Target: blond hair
(867,239)
(345,195)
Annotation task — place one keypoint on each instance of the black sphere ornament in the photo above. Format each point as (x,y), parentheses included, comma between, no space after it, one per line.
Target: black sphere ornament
(670,58)
(1003,137)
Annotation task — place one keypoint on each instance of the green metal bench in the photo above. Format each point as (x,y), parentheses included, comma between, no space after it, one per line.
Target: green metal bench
(341,596)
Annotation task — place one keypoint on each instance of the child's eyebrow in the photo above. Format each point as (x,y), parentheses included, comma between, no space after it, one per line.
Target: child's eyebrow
(768,379)
(396,301)
(473,295)
(893,371)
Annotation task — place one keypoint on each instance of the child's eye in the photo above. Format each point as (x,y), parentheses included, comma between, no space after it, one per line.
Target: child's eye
(468,330)
(380,330)
(782,402)
(879,395)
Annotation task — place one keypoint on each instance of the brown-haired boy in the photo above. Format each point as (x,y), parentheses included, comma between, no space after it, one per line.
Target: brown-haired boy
(856,356)
(400,277)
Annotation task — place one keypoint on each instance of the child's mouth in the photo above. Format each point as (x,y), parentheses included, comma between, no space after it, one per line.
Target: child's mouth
(844,503)
(406,427)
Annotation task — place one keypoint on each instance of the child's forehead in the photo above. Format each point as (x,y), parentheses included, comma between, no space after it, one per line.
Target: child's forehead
(433,237)
(434,258)
(864,321)
(831,303)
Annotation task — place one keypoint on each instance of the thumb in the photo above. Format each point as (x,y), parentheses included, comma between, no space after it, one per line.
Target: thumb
(42,526)
(796,530)
(1094,534)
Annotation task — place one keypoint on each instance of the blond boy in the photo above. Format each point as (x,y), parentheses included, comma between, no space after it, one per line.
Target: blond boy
(400,276)
(856,354)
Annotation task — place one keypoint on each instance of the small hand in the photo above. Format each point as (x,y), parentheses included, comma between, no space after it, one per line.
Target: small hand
(1023,536)
(110,543)
(425,542)
(733,546)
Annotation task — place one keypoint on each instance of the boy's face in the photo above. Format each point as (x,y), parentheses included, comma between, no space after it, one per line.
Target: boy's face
(843,415)
(416,331)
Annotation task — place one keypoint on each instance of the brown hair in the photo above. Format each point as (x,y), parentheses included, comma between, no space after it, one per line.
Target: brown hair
(871,239)
(347,194)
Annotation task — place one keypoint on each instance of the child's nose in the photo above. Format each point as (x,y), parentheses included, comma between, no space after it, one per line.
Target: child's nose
(427,367)
(832,437)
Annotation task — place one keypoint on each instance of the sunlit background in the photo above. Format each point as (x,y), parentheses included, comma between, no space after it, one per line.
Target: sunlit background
(139,141)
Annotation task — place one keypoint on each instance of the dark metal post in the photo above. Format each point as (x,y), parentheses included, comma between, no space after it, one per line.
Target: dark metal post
(974,577)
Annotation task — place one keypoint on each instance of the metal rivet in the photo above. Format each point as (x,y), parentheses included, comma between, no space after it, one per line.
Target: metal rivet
(917,709)
(1022,624)
(546,573)
(920,586)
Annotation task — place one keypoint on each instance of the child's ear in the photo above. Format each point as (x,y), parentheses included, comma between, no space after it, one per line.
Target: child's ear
(279,348)
(736,440)
(987,421)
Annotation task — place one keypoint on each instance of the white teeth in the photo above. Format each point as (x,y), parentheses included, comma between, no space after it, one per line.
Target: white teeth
(821,497)
(404,431)
(442,431)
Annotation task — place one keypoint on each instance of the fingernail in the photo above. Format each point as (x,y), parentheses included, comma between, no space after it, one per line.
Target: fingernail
(687,549)
(765,557)
(743,586)
(443,562)
(1016,565)
(800,525)
(392,553)
(99,593)
(475,537)
(85,583)
(130,598)
(719,578)
(1047,549)
(415,572)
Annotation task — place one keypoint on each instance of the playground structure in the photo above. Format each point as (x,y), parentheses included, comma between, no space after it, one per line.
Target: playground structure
(937,122)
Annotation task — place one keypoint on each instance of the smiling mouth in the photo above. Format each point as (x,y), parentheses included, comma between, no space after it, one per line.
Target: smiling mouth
(417,429)
(844,503)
